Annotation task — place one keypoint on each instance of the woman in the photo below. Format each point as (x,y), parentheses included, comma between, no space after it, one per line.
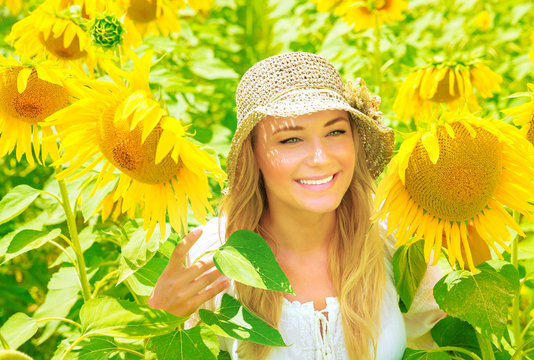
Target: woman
(301,170)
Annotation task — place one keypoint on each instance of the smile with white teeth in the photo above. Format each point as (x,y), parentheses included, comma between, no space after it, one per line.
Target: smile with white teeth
(316,182)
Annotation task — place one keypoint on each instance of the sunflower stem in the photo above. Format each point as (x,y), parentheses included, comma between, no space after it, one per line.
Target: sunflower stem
(80,261)
(516,326)
(485,347)
(378,55)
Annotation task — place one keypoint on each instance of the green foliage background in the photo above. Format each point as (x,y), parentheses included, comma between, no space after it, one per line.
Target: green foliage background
(197,72)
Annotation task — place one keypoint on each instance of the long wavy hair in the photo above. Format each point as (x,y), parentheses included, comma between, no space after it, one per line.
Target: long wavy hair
(355,257)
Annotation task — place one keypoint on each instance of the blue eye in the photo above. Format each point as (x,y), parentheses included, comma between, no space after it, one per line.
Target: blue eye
(337,132)
(290,140)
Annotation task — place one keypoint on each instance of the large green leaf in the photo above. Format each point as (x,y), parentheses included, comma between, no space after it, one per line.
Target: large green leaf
(18,329)
(481,299)
(94,348)
(136,250)
(26,240)
(233,320)
(63,288)
(409,267)
(142,282)
(120,318)
(199,342)
(16,201)
(411,354)
(247,258)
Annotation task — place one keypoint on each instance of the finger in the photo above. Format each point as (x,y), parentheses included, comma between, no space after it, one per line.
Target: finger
(201,283)
(210,293)
(183,247)
(197,269)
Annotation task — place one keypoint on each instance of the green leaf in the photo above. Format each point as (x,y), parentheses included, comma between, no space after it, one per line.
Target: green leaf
(120,318)
(95,348)
(247,258)
(199,342)
(64,288)
(481,299)
(136,250)
(209,67)
(18,329)
(411,354)
(452,331)
(233,320)
(224,355)
(142,282)
(409,267)
(26,240)
(16,201)
(86,237)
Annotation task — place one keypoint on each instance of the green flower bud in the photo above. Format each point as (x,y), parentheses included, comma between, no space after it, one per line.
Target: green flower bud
(107,31)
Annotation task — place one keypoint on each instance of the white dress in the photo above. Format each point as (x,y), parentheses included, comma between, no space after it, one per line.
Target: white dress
(310,334)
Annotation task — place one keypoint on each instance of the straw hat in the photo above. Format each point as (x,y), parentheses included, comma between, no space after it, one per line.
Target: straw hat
(298,83)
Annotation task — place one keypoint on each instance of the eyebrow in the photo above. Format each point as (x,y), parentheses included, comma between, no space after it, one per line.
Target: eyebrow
(290,127)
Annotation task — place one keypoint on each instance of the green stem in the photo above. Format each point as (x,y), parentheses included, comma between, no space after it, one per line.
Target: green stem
(64,250)
(516,325)
(485,347)
(4,343)
(102,281)
(80,262)
(72,346)
(378,55)
(59,319)
(456,349)
(132,352)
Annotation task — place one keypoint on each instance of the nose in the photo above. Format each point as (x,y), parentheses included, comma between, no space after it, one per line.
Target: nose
(319,153)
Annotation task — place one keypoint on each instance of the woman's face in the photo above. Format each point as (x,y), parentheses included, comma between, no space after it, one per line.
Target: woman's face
(307,162)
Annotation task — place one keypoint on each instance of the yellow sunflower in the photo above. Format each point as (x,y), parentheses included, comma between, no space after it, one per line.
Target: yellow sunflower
(361,13)
(29,93)
(125,129)
(464,169)
(88,8)
(144,17)
(47,33)
(444,82)
(525,114)
(14,6)
(200,5)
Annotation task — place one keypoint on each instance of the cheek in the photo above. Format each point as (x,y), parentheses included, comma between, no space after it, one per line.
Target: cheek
(276,165)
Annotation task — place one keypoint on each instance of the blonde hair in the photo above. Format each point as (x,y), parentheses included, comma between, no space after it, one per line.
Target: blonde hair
(356,260)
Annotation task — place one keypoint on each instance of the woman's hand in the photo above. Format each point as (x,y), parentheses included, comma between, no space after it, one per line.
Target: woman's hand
(181,290)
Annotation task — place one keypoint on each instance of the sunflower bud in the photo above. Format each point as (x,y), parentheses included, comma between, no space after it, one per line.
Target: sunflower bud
(107,32)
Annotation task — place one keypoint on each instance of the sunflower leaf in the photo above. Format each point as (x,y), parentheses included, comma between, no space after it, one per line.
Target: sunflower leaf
(199,342)
(481,299)
(411,354)
(26,240)
(16,201)
(233,320)
(247,258)
(123,319)
(18,329)
(409,267)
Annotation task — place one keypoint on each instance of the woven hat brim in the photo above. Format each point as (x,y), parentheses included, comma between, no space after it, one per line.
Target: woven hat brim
(377,139)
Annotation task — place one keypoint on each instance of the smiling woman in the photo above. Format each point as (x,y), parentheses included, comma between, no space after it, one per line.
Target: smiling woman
(301,174)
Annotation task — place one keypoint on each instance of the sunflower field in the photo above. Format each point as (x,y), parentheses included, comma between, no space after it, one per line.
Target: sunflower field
(116,118)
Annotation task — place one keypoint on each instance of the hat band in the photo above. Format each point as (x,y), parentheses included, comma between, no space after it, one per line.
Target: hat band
(303,89)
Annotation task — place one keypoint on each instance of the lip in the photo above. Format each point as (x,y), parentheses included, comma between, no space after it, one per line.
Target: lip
(318,187)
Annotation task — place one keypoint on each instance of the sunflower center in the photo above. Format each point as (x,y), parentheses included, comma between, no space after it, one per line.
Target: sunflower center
(380,4)
(464,178)
(443,93)
(142,11)
(40,99)
(56,47)
(123,148)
